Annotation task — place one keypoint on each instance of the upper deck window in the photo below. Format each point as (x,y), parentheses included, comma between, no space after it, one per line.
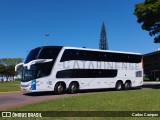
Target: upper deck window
(33,54)
(48,52)
(86,55)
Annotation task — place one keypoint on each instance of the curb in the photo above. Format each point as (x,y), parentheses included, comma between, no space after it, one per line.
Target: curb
(9,92)
(151,83)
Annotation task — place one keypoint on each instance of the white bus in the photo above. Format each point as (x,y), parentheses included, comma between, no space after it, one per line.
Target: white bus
(56,68)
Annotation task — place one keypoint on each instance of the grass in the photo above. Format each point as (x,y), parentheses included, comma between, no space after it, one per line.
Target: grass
(133,100)
(10,86)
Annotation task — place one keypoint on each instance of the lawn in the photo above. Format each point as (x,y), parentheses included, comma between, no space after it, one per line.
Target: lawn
(133,100)
(10,86)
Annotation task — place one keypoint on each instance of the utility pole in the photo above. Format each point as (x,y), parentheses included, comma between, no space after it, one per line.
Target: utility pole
(103,44)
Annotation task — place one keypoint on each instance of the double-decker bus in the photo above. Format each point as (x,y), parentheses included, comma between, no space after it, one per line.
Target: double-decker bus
(57,68)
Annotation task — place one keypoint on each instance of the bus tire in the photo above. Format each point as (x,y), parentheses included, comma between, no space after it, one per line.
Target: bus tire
(59,88)
(127,85)
(73,87)
(119,85)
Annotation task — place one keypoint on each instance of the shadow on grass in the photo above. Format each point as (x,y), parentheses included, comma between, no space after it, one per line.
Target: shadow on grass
(148,86)
(48,93)
(79,92)
(151,86)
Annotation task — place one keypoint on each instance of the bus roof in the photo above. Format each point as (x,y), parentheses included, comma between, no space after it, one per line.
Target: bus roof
(78,48)
(90,49)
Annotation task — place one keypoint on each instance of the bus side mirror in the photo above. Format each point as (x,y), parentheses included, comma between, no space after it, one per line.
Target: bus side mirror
(37,61)
(16,67)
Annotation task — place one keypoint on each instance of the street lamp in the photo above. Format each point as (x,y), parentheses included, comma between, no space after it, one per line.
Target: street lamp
(46,39)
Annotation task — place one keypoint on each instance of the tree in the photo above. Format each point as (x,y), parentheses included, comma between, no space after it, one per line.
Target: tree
(9,64)
(103,44)
(11,71)
(10,61)
(2,71)
(148,13)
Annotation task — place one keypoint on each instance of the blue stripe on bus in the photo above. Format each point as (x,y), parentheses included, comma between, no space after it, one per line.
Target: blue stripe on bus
(33,85)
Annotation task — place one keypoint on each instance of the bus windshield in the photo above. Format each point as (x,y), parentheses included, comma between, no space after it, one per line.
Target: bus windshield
(40,70)
(36,71)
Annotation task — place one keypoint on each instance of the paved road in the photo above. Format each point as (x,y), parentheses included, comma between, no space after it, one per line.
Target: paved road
(14,99)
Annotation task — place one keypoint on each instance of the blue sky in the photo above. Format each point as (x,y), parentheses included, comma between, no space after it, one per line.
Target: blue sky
(24,23)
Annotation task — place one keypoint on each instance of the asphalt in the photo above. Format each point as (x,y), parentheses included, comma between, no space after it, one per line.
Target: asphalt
(17,98)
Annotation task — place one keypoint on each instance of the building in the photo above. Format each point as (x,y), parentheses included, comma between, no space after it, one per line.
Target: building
(152,65)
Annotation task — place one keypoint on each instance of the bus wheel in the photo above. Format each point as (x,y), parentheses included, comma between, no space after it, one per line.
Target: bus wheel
(73,87)
(127,85)
(59,88)
(119,85)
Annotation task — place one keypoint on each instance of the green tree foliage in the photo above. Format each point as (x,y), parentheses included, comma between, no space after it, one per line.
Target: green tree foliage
(7,66)
(148,13)
(11,71)
(10,61)
(2,71)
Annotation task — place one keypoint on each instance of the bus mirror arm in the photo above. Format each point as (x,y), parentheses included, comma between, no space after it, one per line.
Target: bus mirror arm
(37,61)
(16,67)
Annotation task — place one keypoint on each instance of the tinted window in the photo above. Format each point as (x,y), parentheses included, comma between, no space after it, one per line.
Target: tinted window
(49,53)
(37,71)
(33,54)
(87,73)
(43,53)
(70,54)
(42,69)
